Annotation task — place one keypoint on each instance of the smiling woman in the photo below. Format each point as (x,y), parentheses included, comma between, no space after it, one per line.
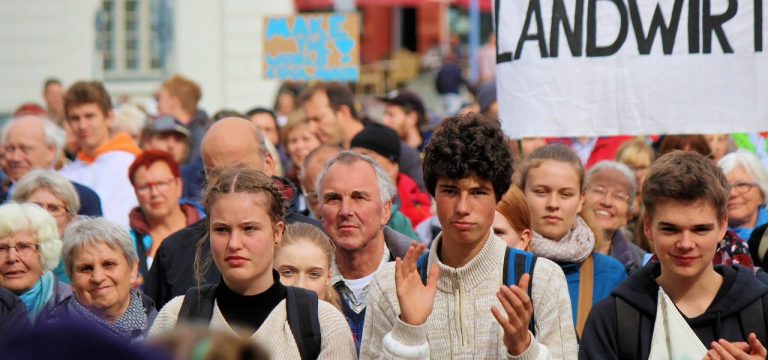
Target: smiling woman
(29,250)
(102,264)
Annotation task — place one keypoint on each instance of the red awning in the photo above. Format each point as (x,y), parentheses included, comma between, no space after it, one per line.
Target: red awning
(313,5)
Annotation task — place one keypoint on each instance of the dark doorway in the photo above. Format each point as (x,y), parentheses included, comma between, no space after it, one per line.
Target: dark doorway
(408,37)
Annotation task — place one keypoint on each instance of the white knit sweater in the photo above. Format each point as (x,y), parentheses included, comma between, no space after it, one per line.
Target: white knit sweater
(275,335)
(461,325)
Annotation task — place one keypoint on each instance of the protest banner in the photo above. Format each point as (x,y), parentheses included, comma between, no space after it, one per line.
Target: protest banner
(323,46)
(631,67)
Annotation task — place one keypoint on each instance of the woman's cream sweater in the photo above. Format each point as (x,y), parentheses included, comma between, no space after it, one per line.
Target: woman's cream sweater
(461,325)
(274,335)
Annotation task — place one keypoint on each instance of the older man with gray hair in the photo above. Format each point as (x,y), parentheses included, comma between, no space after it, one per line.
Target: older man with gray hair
(35,142)
(355,197)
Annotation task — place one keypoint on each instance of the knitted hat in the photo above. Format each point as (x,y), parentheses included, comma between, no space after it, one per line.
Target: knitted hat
(380,139)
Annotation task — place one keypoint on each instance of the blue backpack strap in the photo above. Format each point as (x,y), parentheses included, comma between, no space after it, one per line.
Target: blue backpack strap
(421,264)
(517,263)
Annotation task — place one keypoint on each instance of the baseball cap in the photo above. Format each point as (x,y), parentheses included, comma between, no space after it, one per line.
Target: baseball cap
(167,124)
(406,99)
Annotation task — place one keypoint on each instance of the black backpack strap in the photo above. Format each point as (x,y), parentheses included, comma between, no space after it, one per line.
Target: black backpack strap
(753,320)
(198,304)
(301,307)
(517,263)
(628,324)
(421,265)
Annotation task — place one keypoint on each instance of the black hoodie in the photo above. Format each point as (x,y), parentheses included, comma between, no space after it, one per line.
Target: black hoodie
(721,320)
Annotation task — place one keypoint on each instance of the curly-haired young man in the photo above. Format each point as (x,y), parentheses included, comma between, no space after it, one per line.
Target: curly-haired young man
(464,310)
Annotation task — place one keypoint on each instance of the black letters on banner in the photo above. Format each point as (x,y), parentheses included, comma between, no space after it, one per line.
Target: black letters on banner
(572,34)
(693,27)
(714,23)
(534,8)
(758,25)
(702,24)
(644,44)
(592,49)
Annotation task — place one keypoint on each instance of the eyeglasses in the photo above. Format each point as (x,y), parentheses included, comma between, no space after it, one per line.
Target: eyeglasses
(24,249)
(159,185)
(617,195)
(53,209)
(743,187)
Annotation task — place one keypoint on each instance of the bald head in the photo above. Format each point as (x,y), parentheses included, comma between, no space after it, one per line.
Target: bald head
(234,141)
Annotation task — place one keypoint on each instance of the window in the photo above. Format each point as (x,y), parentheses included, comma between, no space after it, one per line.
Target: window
(130,38)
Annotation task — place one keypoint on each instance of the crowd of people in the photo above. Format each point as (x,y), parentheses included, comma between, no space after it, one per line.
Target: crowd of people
(313,230)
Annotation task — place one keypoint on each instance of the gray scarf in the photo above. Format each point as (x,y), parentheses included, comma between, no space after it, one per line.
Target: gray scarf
(575,246)
(130,326)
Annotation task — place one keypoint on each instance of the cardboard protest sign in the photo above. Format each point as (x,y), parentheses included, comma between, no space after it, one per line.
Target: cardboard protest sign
(312,47)
(632,67)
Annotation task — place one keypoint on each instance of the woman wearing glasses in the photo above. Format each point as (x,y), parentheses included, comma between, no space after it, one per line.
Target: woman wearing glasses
(55,194)
(161,212)
(29,249)
(609,194)
(748,179)
(749,186)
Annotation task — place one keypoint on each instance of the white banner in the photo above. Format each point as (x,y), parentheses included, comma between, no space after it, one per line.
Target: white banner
(631,67)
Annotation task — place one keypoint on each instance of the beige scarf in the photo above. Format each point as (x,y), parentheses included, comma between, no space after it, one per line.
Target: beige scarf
(575,246)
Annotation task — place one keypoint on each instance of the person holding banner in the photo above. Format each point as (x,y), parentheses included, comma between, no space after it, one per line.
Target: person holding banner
(552,180)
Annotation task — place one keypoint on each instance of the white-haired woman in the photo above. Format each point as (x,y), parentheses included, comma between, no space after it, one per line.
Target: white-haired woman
(101,260)
(29,249)
(609,195)
(749,187)
(55,194)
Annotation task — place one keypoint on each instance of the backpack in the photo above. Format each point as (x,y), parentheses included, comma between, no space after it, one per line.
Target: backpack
(516,263)
(301,307)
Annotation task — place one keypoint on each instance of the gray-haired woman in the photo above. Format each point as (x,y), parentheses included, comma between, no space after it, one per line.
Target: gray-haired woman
(55,194)
(101,260)
(29,249)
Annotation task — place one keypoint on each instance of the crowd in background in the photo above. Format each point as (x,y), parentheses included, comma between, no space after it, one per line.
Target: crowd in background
(133,221)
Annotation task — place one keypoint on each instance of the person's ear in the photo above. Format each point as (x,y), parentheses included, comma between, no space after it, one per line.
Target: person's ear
(647,227)
(525,239)
(581,202)
(269,164)
(386,213)
(279,228)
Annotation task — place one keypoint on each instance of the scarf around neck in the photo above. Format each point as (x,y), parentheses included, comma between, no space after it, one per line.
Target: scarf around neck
(36,297)
(130,326)
(575,245)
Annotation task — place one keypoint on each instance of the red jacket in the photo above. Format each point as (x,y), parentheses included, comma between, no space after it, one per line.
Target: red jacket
(415,205)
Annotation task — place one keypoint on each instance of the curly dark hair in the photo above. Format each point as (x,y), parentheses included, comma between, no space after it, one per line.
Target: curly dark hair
(469,145)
